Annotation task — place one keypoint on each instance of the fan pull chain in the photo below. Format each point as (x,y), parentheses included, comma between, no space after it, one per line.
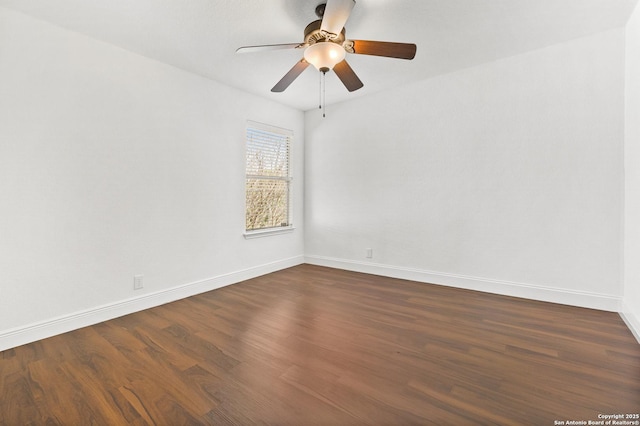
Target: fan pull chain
(320,90)
(324,88)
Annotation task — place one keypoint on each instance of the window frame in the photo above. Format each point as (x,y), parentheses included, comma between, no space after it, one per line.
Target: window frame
(286,133)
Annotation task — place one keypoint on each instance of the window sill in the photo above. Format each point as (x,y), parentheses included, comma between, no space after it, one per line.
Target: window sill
(268,232)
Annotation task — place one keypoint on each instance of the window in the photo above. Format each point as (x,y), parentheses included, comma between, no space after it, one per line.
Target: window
(268,180)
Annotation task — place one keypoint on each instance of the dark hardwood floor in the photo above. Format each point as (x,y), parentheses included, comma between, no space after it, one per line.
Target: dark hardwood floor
(318,346)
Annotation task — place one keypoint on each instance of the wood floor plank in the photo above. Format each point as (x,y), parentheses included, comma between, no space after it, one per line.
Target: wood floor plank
(318,346)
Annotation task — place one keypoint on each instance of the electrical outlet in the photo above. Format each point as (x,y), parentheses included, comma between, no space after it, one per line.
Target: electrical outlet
(369,253)
(137,282)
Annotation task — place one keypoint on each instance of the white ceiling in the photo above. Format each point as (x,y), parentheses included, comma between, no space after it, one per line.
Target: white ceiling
(201,36)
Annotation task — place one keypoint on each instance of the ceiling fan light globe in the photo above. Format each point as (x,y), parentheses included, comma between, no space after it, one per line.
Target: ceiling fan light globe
(324,55)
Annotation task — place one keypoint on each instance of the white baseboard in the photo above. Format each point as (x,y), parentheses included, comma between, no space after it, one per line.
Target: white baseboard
(22,335)
(632,321)
(604,302)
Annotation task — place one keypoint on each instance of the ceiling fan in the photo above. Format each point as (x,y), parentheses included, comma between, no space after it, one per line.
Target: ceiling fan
(325,47)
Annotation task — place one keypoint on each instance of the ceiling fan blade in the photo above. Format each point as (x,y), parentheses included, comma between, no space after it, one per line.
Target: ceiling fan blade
(290,76)
(335,15)
(348,77)
(266,47)
(385,48)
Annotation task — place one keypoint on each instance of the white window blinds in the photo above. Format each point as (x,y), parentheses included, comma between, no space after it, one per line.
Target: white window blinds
(268,176)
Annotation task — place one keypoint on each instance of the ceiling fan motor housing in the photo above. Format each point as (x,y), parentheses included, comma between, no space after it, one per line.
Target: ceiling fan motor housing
(313,34)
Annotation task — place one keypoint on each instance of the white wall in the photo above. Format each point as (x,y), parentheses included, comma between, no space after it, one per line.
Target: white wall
(506,177)
(112,165)
(631,302)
